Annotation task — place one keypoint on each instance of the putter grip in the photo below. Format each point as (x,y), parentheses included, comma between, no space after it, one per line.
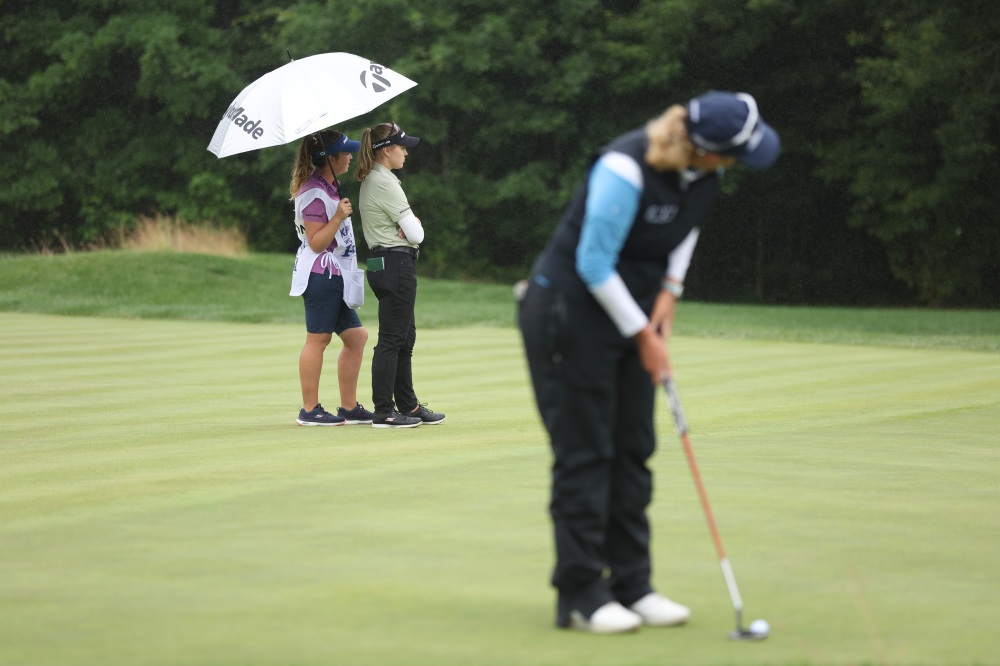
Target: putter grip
(675,406)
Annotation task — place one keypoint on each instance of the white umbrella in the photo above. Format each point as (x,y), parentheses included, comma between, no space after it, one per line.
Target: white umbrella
(304,96)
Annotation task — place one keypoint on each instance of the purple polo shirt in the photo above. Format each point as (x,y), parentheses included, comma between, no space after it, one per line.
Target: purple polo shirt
(316,212)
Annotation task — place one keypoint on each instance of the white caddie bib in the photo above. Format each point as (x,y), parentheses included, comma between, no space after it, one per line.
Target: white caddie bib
(344,256)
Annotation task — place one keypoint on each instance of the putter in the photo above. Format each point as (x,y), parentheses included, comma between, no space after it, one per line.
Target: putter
(739,633)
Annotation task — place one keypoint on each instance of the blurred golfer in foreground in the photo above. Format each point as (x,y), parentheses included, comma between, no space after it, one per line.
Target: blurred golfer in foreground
(596,318)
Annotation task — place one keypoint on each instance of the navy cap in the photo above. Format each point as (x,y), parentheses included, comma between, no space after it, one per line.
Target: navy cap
(345,145)
(729,124)
(341,145)
(398,137)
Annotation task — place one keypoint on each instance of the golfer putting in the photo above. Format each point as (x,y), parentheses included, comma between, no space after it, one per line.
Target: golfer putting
(596,318)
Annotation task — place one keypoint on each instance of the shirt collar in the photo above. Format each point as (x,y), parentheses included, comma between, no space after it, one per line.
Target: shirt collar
(378,166)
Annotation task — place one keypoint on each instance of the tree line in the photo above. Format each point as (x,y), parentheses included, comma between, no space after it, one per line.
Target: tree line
(885,193)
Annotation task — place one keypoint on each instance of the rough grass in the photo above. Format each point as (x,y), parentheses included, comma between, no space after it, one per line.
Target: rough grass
(160,233)
(153,233)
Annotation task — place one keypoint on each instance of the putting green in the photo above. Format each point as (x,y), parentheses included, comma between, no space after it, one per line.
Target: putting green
(158,505)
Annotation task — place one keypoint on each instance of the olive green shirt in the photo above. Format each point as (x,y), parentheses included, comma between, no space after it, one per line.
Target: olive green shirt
(383,205)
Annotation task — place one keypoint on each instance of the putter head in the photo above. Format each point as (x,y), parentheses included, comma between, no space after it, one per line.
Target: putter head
(741,634)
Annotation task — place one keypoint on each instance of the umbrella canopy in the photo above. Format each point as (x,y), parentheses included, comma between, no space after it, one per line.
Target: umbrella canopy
(304,96)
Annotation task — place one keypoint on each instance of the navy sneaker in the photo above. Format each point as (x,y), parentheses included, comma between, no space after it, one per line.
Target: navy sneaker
(357,416)
(426,416)
(394,420)
(319,417)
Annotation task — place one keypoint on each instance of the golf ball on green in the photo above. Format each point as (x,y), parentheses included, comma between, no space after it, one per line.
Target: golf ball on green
(760,627)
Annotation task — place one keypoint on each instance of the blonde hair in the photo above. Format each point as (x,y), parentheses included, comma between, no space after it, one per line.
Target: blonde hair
(304,162)
(670,148)
(366,156)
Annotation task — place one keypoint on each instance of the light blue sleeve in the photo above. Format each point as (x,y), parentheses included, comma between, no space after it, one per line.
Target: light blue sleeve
(612,202)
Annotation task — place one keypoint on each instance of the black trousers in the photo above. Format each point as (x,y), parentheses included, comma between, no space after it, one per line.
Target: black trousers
(392,373)
(597,404)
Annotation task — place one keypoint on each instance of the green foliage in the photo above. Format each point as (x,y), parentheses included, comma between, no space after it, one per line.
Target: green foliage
(105,118)
(922,161)
(888,114)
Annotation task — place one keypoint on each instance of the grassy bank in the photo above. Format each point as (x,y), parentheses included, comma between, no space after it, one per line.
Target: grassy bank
(165,285)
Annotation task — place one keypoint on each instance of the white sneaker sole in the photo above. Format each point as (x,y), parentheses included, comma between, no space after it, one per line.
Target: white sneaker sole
(611,618)
(313,423)
(604,631)
(395,425)
(658,611)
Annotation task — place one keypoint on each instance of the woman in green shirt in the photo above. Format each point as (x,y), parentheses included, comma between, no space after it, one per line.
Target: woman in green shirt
(393,234)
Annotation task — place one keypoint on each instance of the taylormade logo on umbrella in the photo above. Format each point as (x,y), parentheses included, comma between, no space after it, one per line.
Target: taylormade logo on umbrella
(378,82)
(240,119)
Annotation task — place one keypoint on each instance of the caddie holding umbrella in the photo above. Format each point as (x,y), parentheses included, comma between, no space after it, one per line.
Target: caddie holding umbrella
(300,100)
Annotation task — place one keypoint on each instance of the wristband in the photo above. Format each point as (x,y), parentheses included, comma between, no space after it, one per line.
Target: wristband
(675,288)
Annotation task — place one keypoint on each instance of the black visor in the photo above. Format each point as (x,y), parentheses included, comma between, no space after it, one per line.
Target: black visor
(397,138)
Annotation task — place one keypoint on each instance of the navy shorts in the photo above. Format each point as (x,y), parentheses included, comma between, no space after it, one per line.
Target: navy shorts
(326,311)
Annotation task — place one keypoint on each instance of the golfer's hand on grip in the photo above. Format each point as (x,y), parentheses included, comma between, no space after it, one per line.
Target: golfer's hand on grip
(653,354)
(662,318)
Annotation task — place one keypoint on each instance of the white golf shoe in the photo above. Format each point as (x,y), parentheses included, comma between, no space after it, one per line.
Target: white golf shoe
(658,611)
(611,618)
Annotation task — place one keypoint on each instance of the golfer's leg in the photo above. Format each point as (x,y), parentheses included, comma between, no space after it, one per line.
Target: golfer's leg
(395,310)
(576,419)
(404,271)
(406,397)
(581,485)
(628,531)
